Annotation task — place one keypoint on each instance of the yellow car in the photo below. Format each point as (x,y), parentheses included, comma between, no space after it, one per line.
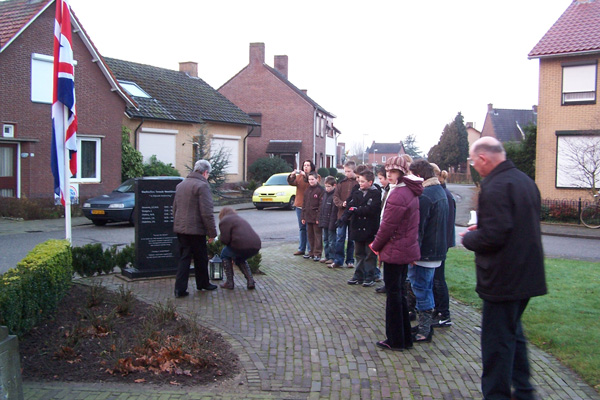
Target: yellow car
(275,192)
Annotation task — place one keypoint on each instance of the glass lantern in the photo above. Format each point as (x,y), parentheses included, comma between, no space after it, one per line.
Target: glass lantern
(215,268)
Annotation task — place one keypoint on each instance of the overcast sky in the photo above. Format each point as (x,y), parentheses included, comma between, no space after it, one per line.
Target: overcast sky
(386,69)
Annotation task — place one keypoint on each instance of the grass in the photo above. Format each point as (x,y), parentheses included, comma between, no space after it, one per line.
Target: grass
(565,322)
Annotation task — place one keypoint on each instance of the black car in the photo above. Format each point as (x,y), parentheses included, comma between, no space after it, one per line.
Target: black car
(116,206)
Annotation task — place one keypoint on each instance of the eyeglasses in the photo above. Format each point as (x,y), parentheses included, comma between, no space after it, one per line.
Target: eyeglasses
(471,162)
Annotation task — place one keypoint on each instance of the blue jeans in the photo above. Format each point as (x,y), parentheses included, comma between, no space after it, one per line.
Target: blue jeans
(421,280)
(339,247)
(239,257)
(329,242)
(304,245)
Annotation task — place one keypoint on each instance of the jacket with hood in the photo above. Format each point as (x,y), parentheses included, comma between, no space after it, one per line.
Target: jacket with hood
(193,207)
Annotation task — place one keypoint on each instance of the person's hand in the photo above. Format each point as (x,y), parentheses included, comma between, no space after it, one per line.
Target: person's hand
(344,204)
(469,229)
(371,247)
(317,222)
(351,209)
(303,222)
(210,240)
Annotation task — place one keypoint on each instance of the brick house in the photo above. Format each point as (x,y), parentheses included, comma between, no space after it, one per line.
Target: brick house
(26,57)
(378,153)
(293,126)
(174,108)
(569,113)
(507,125)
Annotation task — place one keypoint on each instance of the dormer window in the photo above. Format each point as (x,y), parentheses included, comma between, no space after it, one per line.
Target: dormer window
(579,83)
(133,89)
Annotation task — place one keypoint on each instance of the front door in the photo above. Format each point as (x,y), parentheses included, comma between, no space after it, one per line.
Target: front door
(8,170)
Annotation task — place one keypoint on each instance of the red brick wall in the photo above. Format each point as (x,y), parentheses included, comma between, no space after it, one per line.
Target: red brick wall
(99,110)
(285,114)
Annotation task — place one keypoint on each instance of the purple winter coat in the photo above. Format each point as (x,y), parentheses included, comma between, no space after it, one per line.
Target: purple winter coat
(397,239)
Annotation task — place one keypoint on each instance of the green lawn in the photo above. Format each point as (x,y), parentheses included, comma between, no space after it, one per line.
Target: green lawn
(565,322)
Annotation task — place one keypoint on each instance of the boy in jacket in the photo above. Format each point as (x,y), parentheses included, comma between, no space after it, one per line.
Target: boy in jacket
(310,216)
(327,219)
(364,207)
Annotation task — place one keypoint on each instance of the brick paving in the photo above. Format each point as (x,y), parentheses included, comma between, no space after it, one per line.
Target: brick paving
(305,334)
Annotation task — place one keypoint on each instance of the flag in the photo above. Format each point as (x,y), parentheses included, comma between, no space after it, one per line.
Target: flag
(64,113)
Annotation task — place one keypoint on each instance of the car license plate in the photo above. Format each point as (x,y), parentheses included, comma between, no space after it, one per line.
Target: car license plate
(267,199)
(98,212)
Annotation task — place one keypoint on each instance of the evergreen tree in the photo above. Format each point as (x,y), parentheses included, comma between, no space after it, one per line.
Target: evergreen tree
(411,148)
(522,154)
(217,157)
(131,159)
(452,149)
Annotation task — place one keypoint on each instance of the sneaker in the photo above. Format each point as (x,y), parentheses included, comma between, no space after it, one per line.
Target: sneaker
(334,265)
(323,260)
(378,279)
(368,283)
(350,265)
(317,259)
(306,256)
(442,323)
(354,281)
(381,289)
(330,261)
(299,253)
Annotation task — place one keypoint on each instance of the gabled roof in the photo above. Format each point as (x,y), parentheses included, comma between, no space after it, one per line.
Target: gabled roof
(17,15)
(508,124)
(176,96)
(386,148)
(576,32)
(298,91)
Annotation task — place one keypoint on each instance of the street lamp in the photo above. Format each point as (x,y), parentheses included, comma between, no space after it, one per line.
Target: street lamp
(375,157)
(364,149)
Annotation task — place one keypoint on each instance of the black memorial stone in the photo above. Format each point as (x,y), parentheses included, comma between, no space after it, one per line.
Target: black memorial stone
(156,246)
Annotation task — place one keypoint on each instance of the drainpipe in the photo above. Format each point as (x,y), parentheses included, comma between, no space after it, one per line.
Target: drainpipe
(244,157)
(135,134)
(314,138)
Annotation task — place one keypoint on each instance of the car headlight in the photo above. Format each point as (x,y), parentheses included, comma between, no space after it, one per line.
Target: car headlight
(86,205)
(255,193)
(280,194)
(117,205)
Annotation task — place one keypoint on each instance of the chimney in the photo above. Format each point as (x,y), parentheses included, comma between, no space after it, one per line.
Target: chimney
(189,67)
(490,107)
(469,125)
(534,109)
(257,53)
(304,91)
(281,65)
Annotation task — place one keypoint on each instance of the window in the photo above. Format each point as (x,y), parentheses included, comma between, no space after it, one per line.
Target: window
(88,159)
(8,130)
(577,159)
(230,148)
(579,83)
(383,158)
(133,89)
(42,68)
(158,142)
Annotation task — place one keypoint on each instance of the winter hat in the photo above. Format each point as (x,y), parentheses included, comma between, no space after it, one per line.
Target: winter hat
(398,163)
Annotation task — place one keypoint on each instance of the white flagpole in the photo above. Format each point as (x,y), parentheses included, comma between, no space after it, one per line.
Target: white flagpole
(67,178)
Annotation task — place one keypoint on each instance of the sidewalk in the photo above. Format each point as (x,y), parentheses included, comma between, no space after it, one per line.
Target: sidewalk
(305,334)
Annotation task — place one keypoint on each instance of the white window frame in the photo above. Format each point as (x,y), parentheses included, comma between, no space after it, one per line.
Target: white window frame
(383,159)
(569,172)
(98,177)
(8,130)
(579,83)
(228,143)
(42,68)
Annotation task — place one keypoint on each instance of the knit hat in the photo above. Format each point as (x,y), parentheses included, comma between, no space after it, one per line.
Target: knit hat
(398,163)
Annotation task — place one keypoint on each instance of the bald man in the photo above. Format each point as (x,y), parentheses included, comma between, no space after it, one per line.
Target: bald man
(510,267)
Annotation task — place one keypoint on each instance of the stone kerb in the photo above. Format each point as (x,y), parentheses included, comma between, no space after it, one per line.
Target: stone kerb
(11,387)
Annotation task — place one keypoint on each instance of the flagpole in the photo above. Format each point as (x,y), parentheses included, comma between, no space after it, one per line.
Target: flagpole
(67,181)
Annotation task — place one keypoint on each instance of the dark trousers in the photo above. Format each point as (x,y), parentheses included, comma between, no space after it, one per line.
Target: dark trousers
(192,246)
(397,322)
(504,351)
(440,291)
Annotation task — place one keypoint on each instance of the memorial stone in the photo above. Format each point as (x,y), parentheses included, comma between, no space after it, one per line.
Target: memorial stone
(156,246)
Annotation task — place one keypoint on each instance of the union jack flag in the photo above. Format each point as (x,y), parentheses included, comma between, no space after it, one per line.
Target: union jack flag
(64,113)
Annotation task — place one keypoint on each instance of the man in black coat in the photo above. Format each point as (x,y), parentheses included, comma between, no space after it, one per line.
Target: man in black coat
(510,267)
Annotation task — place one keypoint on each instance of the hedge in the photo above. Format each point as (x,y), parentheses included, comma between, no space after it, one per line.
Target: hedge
(33,289)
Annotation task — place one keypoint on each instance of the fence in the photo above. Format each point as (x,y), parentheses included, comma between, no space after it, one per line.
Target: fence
(563,210)
(457,177)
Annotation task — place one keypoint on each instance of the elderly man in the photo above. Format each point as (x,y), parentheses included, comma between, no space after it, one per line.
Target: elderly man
(193,222)
(510,267)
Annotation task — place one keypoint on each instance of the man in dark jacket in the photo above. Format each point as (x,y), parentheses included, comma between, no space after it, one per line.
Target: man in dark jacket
(509,261)
(193,221)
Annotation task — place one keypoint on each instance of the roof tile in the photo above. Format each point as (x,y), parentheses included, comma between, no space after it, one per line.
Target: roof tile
(14,15)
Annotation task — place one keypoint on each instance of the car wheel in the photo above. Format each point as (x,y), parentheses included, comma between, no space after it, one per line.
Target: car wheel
(99,222)
(291,205)
(259,207)
(131,220)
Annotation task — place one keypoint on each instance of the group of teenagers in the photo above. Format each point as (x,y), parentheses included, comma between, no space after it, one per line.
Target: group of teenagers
(405,223)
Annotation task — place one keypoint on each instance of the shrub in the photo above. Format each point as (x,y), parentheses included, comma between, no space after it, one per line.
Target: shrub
(263,168)
(131,159)
(333,171)
(339,176)
(323,172)
(91,259)
(155,167)
(562,212)
(28,209)
(35,286)
(253,262)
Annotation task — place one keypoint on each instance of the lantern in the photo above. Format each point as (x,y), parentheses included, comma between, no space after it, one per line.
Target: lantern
(215,266)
